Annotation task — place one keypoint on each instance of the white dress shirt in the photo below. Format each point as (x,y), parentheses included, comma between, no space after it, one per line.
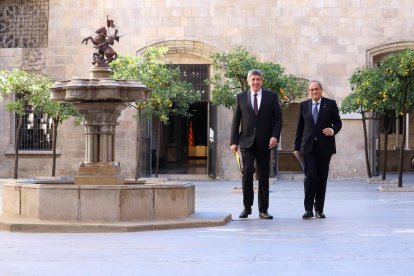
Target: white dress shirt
(259,98)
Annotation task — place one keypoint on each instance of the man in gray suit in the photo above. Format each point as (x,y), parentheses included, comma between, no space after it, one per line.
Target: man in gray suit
(318,124)
(256,127)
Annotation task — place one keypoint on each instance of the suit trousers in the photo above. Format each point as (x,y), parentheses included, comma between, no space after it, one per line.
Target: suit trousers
(262,158)
(316,175)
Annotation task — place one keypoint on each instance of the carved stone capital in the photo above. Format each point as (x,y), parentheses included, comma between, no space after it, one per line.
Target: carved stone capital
(33,59)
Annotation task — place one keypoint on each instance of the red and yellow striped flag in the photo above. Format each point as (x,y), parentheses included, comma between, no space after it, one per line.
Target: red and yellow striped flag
(190,134)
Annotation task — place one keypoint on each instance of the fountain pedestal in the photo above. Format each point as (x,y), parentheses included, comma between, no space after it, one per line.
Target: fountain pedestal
(100,100)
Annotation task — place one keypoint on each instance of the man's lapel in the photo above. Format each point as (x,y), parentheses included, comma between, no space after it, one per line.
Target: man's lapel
(249,101)
(264,100)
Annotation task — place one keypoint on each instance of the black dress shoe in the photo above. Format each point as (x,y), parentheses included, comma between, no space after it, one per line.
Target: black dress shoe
(320,215)
(245,213)
(307,215)
(265,215)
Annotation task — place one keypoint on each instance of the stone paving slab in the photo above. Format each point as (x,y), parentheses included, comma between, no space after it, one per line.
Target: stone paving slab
(366,232)
(395,188)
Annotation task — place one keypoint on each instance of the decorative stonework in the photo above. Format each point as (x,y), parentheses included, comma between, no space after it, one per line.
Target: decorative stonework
(33,59)
(191,47)
(376,53)
(24,23)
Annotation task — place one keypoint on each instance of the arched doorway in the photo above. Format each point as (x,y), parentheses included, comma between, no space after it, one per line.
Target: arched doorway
(188,145)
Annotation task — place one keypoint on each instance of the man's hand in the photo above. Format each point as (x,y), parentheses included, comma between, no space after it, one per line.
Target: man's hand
(272,143)
(328,131)
(234,148)
(296,153)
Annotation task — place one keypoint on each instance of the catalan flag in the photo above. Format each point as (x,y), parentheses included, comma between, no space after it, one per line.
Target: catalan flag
(190,134)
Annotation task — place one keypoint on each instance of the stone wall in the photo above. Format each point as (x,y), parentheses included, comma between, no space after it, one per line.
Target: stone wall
(313,39)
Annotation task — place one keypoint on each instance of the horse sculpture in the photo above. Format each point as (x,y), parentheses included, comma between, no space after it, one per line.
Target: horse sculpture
(103,42)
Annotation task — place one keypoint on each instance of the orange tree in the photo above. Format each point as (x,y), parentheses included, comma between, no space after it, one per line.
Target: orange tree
(169,94)
(26,92)
(399,85)
(386,89)
(368,97)
(21,86)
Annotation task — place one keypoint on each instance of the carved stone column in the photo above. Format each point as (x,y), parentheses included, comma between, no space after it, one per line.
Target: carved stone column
(100,123)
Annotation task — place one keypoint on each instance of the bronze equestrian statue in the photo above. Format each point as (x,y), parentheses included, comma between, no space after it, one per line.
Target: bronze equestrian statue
(103,42)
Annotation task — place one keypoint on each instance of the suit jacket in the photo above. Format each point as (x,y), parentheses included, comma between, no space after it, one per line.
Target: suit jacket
(246,127)
(307,132)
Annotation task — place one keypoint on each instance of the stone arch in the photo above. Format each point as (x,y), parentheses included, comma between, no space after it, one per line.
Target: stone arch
(185,47)
(378,52)
(199,158)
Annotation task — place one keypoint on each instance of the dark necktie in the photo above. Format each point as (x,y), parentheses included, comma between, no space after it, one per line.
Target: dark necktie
(255,108)
(315,113)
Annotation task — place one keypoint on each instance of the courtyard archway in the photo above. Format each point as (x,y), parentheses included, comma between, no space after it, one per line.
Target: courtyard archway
(188,145)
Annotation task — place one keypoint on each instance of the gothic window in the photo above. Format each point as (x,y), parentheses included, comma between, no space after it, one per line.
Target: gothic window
(24,23)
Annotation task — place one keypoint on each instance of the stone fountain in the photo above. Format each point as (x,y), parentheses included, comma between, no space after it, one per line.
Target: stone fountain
(99,198)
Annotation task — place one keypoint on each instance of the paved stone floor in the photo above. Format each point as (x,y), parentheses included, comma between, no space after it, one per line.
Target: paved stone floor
(366,232)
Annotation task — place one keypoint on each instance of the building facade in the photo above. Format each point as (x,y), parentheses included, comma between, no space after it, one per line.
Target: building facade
(312,39)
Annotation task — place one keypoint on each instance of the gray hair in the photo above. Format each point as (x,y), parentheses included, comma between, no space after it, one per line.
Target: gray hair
(318,82)
(256,72)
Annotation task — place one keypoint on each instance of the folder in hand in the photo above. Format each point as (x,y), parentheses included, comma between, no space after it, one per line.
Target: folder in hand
(236,154)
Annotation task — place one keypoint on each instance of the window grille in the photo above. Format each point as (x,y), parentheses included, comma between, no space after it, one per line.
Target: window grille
(196,74)
(24,23)
(35,132)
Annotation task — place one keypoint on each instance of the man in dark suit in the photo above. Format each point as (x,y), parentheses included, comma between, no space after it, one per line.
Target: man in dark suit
(318,124)
(256,127)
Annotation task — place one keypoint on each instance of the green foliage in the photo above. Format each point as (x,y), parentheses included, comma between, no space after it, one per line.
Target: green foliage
(382,89)
(351,104)
(169,94)
(32,90)
(230,77)
(399,79)
(367,85)
(29,89)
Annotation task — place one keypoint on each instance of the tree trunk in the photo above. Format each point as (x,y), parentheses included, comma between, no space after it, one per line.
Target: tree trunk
(16,146)
(158,148)
(138,148)
(364,125)
(384,166)
(404,113)
(401,162)
(55,127)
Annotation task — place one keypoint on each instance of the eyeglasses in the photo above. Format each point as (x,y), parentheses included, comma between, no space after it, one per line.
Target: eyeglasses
(314,89)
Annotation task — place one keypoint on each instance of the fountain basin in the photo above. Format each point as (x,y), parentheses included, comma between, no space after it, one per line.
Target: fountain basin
(98,90)
(55,201)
